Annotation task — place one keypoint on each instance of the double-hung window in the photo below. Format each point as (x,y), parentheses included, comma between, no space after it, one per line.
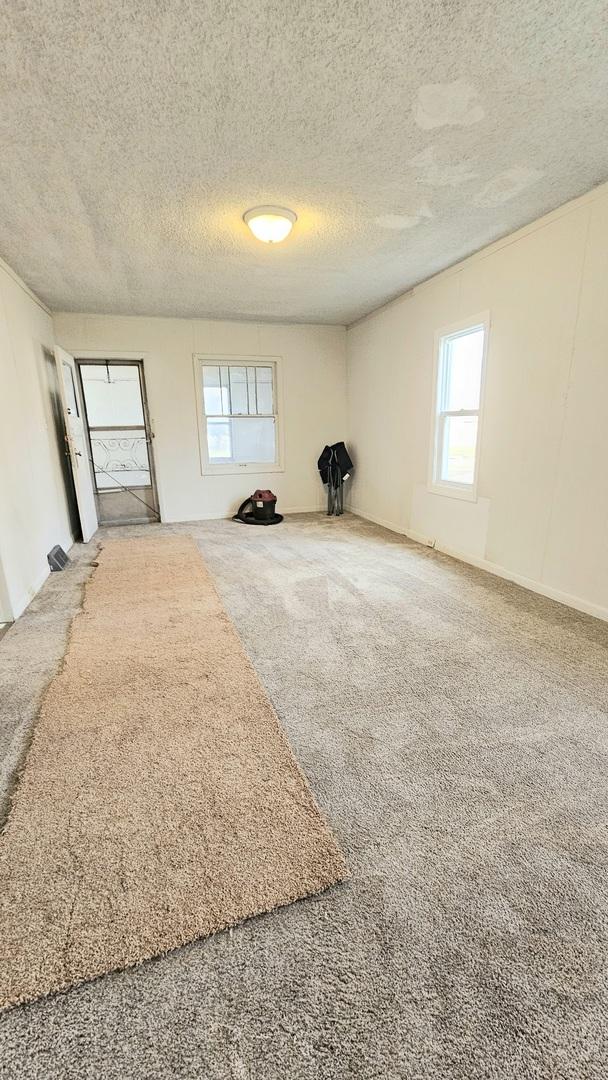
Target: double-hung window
(456,415)
(240,414)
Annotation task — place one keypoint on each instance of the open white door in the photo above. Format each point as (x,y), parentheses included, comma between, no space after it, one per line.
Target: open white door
(77,442)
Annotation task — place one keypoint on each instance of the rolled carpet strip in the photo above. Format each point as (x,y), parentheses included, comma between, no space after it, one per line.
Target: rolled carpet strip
(159,801)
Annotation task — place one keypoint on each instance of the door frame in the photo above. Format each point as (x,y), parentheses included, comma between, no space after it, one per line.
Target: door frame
(100,356)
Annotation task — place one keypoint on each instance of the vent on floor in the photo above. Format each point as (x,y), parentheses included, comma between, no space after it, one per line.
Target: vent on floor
(57,557)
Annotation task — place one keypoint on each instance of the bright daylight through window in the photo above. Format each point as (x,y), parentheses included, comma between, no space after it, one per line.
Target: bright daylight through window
(239,402)
(457,404)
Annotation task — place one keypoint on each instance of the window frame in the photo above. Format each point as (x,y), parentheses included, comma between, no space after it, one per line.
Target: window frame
(258,468)
(467,492)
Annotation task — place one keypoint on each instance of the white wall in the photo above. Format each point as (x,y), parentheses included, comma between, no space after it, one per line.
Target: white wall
(542,513)
(33,509)
(314,401)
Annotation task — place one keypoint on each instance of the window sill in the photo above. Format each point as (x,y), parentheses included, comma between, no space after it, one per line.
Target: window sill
(236,470)
(453,491)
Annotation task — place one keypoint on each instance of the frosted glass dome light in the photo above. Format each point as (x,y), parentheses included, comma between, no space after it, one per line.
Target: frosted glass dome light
(271,224)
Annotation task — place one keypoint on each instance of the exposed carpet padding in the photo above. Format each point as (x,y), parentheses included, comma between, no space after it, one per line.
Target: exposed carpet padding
(159,801)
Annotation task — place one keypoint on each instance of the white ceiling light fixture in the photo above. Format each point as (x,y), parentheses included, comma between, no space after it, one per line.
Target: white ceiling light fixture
(271,224)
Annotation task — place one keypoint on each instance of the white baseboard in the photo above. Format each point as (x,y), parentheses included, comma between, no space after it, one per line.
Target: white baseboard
(531,584)
(301,509)
(390,525)
(226,517)
(22,602)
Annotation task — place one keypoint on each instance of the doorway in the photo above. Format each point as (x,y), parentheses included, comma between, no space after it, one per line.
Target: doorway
(120,441)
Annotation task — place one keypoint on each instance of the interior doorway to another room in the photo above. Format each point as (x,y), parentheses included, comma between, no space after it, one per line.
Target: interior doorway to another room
(120,441)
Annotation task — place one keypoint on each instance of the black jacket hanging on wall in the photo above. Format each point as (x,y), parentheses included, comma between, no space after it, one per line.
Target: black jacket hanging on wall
(337,454)
(334,466)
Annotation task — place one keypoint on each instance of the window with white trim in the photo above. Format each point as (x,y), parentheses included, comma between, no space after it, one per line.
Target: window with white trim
(460,364)
(240,413)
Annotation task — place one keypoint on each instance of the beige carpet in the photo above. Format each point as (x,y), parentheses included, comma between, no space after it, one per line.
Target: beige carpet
(159,801)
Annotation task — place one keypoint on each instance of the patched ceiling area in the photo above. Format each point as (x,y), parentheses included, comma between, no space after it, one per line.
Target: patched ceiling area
(405,135)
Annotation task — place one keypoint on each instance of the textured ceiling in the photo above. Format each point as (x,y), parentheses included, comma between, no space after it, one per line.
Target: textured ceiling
(405,135)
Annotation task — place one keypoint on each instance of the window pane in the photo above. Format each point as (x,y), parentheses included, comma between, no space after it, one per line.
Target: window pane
(264,389)
(238,390)
(459,443)
(219,441)
(112,394)
(253,439)
(462,380)
(242,440)
(211,390)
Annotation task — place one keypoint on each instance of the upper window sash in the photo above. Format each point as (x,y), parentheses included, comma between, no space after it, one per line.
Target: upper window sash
(254,394)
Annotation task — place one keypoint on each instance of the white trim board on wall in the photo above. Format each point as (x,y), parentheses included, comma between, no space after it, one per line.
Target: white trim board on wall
(22,285)
(596,610)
